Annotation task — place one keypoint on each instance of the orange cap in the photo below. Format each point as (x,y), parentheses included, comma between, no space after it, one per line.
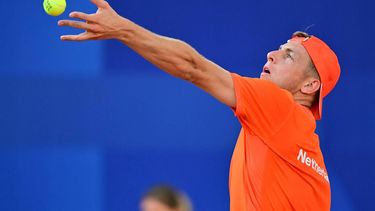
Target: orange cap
(327,65)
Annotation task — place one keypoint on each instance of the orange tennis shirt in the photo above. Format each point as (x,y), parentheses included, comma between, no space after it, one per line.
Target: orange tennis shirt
(277,163)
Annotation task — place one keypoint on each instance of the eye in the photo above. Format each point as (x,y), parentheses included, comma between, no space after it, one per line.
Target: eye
(288,56)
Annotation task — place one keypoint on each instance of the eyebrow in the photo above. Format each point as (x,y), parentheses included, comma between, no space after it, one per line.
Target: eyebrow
(285,48)
(288,50)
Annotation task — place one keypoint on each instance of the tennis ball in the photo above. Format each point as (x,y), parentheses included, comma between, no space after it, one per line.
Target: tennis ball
(54,7)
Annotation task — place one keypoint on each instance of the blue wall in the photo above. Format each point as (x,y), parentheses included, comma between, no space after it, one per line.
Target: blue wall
(91,126)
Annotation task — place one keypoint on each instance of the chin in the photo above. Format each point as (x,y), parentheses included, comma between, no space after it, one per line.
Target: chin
(265,76)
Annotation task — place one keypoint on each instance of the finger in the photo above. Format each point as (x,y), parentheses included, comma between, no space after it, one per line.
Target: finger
(100,3)
(75,24)
(79,37)
(82,16)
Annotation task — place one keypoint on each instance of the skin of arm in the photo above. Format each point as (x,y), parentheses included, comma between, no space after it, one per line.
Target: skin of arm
(173,56)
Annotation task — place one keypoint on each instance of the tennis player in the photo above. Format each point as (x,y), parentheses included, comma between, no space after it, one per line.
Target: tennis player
(277,163)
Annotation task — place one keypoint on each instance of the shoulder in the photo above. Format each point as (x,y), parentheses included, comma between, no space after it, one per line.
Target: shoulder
(260,88)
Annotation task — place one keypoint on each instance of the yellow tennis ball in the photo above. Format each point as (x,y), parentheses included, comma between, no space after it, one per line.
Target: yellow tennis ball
(54,7)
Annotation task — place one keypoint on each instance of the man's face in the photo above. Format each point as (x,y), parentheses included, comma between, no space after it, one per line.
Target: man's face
(286,67)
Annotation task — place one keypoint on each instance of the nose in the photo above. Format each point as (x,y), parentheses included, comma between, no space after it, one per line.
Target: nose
(271,56)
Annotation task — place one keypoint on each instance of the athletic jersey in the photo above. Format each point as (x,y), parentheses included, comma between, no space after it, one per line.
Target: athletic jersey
(277,163)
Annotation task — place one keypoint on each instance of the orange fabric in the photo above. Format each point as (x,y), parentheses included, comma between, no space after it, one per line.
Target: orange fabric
(277,163)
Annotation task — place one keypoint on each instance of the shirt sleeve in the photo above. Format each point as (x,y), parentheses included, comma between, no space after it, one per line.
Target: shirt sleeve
(261,106)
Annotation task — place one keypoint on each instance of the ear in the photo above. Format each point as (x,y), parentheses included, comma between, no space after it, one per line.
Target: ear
(310,86)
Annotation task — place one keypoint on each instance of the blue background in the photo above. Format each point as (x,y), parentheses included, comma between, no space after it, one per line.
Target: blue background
(91,126)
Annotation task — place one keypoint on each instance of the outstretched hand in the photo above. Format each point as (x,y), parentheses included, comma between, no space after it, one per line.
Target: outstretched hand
(104,24)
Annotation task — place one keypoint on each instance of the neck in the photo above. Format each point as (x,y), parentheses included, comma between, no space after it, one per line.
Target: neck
(303,99)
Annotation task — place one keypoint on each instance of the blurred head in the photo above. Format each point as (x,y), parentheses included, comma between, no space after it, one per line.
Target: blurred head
(165,198)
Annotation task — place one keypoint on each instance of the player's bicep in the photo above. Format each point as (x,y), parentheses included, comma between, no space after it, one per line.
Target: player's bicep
(217,82)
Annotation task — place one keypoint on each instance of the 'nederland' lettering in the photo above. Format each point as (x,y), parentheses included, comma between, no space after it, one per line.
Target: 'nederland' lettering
(302,156)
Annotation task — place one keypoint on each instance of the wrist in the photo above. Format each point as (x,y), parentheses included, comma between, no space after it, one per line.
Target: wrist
(125,30)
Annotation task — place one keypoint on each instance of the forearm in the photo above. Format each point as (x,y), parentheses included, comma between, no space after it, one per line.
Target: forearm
(171,55)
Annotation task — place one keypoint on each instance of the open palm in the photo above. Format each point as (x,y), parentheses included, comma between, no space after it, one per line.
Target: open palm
(100,25)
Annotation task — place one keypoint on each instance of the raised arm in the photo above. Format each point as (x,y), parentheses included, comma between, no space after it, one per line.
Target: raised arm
(171,55)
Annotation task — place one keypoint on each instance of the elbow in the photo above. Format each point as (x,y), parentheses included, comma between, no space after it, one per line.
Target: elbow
(189,71)
(189,63)
(186,72)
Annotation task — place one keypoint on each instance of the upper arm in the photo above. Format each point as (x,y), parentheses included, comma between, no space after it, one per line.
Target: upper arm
(215,80)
